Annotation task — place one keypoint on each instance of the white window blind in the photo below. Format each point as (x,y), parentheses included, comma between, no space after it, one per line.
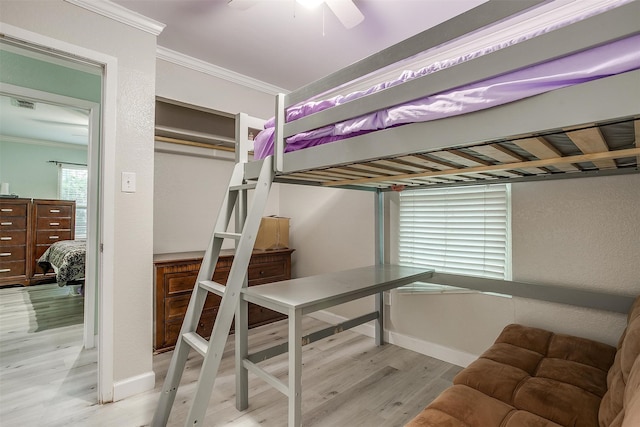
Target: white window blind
(73,186)
(457,230)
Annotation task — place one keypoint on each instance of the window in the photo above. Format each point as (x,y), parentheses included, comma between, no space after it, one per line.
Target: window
(457,230)
(73,186)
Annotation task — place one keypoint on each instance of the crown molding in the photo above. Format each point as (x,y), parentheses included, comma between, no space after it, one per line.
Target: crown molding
(121,14)
(213,70)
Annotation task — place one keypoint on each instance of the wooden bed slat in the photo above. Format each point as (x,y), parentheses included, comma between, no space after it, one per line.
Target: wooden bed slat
(542,149)
(636,128)
(504,155)
(593,157)
(591,141)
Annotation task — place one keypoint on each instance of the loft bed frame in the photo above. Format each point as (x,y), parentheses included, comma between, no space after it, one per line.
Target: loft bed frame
(584,130)
(492,145)
(588,129)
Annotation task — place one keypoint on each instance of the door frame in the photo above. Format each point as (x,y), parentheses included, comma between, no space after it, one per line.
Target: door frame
(102,155)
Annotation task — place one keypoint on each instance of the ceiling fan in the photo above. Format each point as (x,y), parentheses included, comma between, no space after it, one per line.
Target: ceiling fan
(346,11)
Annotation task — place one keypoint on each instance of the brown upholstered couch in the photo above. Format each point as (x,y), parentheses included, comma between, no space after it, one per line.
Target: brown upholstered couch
(534,378)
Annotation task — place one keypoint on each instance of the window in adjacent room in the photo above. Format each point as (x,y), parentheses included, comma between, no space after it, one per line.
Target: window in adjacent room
(457,230)
(73,186)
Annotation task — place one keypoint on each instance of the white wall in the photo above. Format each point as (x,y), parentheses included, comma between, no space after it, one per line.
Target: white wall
(582,233)
(133,212)
(190,182)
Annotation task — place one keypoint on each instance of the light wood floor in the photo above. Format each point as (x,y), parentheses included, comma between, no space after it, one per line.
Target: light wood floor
(47,379)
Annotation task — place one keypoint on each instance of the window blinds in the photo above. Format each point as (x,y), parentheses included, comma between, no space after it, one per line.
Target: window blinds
(73,186)
(457,230)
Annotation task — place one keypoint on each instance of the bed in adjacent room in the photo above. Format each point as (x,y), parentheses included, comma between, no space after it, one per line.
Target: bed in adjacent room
(67,259)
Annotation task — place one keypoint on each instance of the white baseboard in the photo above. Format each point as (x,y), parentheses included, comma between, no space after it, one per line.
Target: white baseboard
(450,355)
(133,385)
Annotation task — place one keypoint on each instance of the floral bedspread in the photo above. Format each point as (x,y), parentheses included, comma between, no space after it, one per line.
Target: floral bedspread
(67,257)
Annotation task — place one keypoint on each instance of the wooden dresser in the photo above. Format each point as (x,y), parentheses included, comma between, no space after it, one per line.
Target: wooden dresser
(27,228)
(15,232)
(175,277)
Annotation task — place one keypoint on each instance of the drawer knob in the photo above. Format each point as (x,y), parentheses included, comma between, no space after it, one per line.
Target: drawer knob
(5,238)
(54,223)
(54,237)
(5,253)
(6,210)
(54,210)
(5,270)
(6,223)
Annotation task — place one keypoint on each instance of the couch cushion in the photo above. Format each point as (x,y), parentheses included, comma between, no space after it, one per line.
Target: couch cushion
(612,410)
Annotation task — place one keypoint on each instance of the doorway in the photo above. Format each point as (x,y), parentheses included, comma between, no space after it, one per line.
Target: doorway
(100,159)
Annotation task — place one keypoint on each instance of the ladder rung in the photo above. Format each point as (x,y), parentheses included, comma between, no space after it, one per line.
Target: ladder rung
(251,186)
(196,342)
(235,236)
(212,287)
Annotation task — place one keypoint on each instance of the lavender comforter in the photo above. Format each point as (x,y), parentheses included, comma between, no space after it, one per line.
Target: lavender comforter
(603,61)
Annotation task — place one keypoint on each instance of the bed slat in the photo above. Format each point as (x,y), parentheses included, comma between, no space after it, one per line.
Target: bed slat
(591,141)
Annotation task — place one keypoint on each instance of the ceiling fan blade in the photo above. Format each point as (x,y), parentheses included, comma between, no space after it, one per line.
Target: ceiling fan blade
(242,4)
(346,11)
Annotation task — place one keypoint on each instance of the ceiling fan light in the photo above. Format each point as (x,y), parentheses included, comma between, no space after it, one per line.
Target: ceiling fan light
(310,4)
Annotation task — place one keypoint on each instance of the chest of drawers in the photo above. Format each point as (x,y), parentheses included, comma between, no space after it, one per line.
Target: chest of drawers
(175,276)
(27,228)
(15,215)
(53,220)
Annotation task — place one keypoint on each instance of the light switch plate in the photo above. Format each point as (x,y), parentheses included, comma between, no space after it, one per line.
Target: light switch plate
(128,182)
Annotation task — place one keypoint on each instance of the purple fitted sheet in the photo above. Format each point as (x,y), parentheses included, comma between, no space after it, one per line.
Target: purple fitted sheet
(603,61)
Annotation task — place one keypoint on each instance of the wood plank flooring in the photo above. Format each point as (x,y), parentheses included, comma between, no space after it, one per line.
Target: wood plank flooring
(48,379)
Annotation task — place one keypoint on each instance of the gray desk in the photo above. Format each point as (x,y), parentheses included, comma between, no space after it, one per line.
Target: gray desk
(298,297)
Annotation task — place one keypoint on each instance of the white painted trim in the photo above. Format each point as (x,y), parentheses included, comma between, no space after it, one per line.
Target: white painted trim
(133,385)
(183,60)
(437,351)
(121,14)
(108,146)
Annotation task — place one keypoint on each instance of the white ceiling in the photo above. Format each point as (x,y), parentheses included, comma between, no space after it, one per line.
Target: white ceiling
(281,42)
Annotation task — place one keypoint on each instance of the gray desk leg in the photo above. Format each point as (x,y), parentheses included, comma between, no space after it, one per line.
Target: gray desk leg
(295,368)
(242,351)
(380,321)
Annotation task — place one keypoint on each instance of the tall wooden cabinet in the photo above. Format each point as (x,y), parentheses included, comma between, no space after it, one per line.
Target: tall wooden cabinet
(15,232)
(175,276)
(27,228)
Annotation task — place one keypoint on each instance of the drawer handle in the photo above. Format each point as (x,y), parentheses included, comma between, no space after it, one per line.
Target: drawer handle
(6,223)
(5,238)
(5,270)
(54,210)
(54,223)
(6,210)
(5,253)
(54,237)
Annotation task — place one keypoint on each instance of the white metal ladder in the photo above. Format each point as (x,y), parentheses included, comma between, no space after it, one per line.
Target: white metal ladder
(248,222)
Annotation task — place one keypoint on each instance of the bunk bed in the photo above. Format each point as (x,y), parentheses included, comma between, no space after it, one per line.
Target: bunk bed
(578,116)
(587,127)
(575,116)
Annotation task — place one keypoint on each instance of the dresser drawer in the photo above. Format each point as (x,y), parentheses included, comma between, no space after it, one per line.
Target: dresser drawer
(13,253)
(48,223)
(172,330)
(12,268)
(47,237)
(13,209)
(13,223)
(264,273)
(176,307)
(53,211)
(12,237)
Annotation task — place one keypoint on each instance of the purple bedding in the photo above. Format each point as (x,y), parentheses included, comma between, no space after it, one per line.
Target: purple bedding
(603,61)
